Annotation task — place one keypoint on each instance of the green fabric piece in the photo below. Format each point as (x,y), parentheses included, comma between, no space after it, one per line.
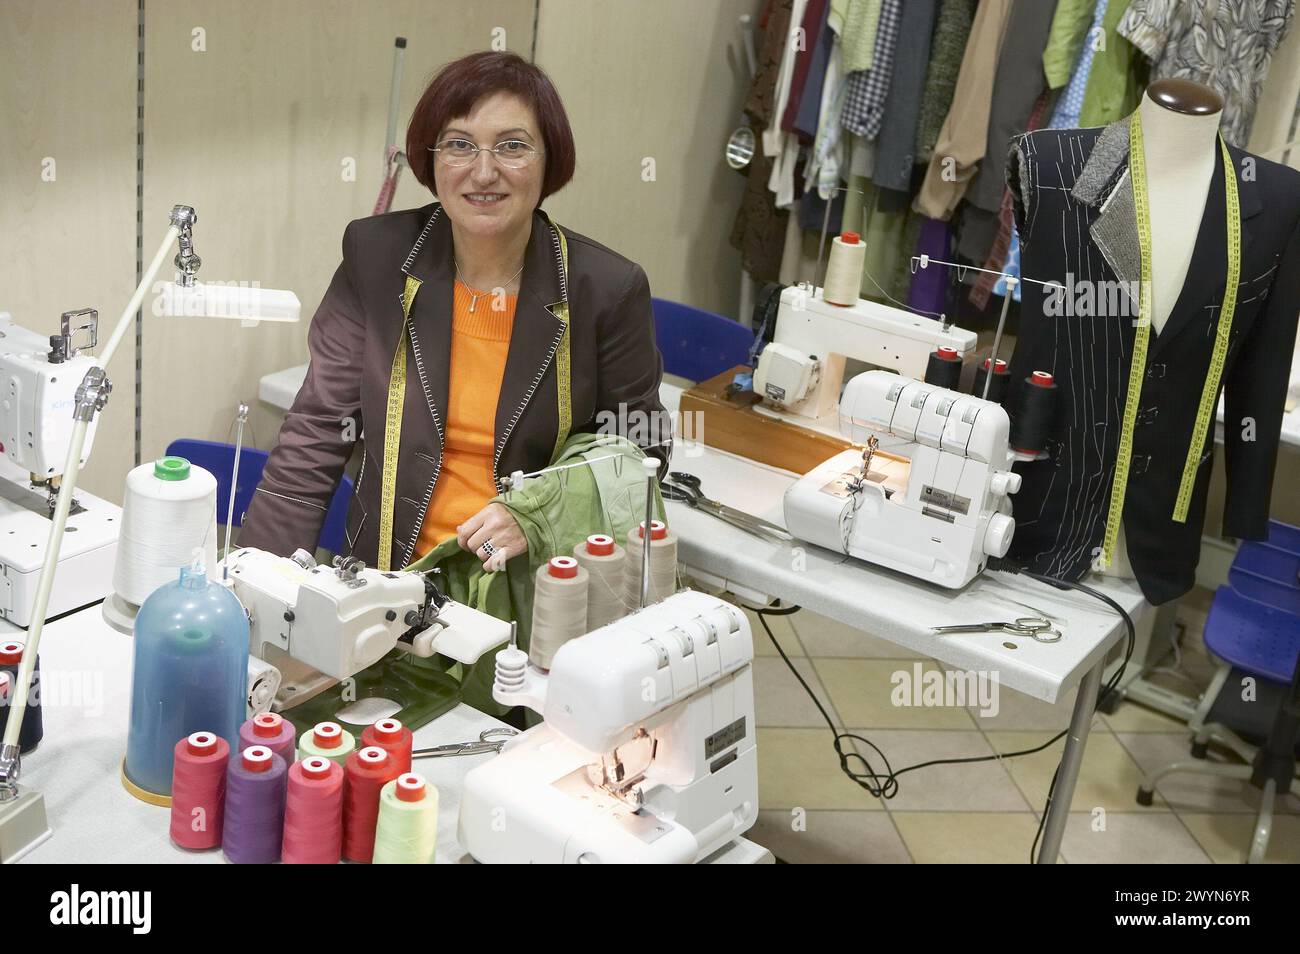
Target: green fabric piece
(858,39)
(556,512)
(1065,40)
(1118,76)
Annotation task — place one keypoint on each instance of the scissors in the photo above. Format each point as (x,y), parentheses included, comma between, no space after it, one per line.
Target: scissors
(686,488)
(1033,626)
(489,740)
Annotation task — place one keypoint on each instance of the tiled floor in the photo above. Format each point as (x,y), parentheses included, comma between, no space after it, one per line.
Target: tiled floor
(981,811)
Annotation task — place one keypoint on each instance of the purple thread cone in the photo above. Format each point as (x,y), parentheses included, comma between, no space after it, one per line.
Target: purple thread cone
(254,815)
(285,744)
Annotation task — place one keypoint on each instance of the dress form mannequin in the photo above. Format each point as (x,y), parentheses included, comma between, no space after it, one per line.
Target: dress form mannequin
(1180,123)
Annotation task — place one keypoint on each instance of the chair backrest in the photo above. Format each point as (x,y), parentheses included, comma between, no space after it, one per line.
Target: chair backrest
(1268,571)
(218,459)
(698,344)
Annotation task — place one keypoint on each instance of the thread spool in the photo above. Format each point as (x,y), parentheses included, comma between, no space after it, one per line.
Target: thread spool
(1001,381)
(200,762)
(394,738)
(603,559)
(329,740)
(407,830)
(663,564)
(33,730)
(253,827)
(559,608)
(843,284)
(313,813)
(367,771)
(169,511)
(943,369)
(1032,424)
(272,730)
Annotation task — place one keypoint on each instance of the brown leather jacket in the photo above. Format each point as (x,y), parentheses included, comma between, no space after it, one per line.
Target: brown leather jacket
(615,373)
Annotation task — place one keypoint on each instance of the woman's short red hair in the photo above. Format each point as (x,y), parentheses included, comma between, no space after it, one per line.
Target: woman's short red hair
(459,85)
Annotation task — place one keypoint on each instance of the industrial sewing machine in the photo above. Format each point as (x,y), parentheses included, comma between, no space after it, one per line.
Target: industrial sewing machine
(39,379)
(312,626)
(801,371)
(929,494)
(647,754)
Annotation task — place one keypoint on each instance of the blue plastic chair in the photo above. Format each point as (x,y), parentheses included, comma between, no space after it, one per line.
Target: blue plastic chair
(219,458)
(698,344)
(1254,628)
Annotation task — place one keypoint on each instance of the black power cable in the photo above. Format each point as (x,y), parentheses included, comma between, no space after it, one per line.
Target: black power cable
(886,785)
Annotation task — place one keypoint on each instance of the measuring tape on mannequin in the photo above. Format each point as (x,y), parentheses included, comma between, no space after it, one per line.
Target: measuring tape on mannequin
(397,392)
(1137,369)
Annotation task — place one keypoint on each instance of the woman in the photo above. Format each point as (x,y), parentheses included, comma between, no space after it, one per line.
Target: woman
(499,303)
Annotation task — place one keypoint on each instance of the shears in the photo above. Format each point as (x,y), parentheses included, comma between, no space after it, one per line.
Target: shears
(686,488)
(1033,626)
(489,740)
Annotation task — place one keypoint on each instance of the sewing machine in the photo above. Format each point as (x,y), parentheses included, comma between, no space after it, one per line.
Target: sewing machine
(647,754)
(312,626)
(928,496)
(801,371)
(39,378)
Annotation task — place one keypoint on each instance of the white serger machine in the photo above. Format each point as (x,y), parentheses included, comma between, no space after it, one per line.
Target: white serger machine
(647,754)
(928,495)
(311,626)
(39,379)
(801,371)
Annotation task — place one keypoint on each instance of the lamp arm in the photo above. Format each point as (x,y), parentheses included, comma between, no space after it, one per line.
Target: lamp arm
(91,397)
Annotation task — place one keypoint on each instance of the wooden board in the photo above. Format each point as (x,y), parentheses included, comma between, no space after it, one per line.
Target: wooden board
(714,416)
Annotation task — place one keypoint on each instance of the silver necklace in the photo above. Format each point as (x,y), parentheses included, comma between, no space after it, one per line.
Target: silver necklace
(474,295)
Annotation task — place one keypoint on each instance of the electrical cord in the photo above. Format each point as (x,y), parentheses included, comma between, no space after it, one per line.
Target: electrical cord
(886,785)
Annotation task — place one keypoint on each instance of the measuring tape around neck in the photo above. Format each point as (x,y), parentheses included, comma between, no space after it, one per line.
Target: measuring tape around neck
(1141,338)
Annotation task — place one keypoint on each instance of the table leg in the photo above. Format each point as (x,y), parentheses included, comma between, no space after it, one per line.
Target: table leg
(1068,774)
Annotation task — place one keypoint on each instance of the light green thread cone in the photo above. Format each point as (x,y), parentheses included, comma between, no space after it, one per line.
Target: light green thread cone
(307,747)
(407,833)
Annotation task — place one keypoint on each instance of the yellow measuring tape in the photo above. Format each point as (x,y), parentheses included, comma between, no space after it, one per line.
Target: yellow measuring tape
(393,430)
(1137,369)
(563,366)
(397,393)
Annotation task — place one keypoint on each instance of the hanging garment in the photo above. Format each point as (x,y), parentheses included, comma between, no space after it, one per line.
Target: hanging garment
(864,104)
(828,149)
(807,116)
(1118,76)
(1065,41)
(1226,45)
(1074,208)
(856,24)
(809,58)
(1016,87)
(1066,114)
(773,136)
(951,31)
(964,136)
(758,231)
(896,144)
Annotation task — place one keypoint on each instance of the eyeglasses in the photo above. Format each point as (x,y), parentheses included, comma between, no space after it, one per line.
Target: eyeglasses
(512,153)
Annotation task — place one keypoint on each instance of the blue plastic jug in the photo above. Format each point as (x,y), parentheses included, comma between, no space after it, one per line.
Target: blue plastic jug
(190,674)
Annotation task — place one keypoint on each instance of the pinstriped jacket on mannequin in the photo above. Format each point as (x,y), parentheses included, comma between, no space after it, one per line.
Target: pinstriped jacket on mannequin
(1075,214)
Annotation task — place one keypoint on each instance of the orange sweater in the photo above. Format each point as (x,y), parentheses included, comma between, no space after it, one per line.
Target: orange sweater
(480,341)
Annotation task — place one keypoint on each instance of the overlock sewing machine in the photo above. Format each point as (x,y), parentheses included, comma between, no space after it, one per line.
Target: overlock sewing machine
(311,626)
(928,495)
(647,754)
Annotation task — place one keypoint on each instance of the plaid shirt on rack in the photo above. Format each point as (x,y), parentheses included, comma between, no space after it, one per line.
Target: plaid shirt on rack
(866,90)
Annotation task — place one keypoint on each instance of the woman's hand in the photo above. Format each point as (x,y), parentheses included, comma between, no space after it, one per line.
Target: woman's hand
(496,524)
